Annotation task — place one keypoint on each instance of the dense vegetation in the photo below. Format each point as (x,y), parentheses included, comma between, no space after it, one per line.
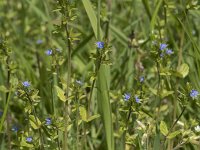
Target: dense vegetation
(99,74)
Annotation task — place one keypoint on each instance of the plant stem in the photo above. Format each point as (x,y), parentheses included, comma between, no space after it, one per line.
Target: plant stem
(170,130)
(66,109)
(7,95)
(58,143)
(77,119)
(35,116)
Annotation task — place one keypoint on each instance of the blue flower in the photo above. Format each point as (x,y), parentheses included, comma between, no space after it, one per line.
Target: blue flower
(48,121)
(127,96)
(29,139)
(79,82)
(141,79)
(169,52)
(15,128)
(194,93)
(163,46)
(137,100)
(26,84)
(39,41)
(48,52)
(100,44)
(162,55)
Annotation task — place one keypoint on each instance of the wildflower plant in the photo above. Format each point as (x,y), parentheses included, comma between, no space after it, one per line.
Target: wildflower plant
(78,75)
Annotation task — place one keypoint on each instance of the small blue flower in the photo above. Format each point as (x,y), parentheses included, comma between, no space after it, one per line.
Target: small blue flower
(29,139)
(194,93)
(163,46)
(100,44)
(15,128)
(39,42)
(48,52)
(141,79)
(169,52)
(48,121)
(137,100)
(26,84)
(79,82)
(162,55)
(1,113)
(127,96)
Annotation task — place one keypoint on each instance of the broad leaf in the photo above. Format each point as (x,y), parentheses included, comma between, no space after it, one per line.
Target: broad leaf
(60,94)
(163,128)
(183,71)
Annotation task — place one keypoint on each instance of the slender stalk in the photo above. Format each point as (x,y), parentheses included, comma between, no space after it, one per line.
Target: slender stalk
(35,116)
(77,119)
(66,109)
(158,90)
(7,94)
(175,122)
(177,82)
(58,143)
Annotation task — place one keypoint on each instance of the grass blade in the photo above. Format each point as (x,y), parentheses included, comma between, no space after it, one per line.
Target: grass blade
(92,17)
(104,104)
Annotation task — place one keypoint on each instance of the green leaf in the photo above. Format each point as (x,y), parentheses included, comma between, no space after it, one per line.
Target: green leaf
(60,93)
(166,93)
(23,143)
(155,14)
(163,93)
(173,134)
(183,70)
(84,117)
(104,104)
(35,124)
(93,117)
(3,89)
(83,113)
(92,17)
(163,128)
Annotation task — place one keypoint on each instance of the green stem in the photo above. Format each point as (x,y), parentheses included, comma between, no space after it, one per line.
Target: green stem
(35,116)
(58,143)
(170,130)
(66,108)
(77,126)
(5,110)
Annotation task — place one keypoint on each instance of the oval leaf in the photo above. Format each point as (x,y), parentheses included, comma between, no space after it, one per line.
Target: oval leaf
(83,113)
(163,128)
(60,94)
(183,70)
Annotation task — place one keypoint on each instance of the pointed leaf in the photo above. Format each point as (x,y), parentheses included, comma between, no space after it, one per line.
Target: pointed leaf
(60,94)
(173,134)
(93,117)
(163,128)
(35,124)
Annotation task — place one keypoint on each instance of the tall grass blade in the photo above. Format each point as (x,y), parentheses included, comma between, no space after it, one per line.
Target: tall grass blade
(102,80)
(155,13)
(104,104)
(92,17)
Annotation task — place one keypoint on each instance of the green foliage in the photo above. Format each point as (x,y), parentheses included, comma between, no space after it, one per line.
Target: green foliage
(105,75)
